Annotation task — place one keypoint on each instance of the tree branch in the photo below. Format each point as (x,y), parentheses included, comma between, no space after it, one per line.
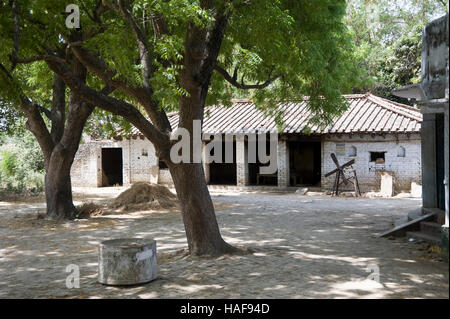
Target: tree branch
(150,104)
(115,106)
(144,52)
(36,125)
(145,96)
(214,40)
(233,80)
(42,109)
(100,68)
(16,37)
(35,122)
(242,4)
(58,112)
(159,25)
(5,71)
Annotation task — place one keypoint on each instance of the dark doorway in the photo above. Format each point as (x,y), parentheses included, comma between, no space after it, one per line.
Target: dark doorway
(223,173)
(440,170)
(112,173)
(254,175)
(305,163)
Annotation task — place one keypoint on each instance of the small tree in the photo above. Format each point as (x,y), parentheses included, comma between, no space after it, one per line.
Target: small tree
(186,54)
(57,128)
(29,86)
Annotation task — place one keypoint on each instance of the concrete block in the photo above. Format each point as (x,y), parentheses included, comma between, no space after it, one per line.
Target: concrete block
(416,190)
(301,191)
(387,184)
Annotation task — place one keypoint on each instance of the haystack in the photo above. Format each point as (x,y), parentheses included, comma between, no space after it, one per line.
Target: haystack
(89,209)
(145,196)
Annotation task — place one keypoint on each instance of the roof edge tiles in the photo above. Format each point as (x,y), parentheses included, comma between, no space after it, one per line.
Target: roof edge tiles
(385,117)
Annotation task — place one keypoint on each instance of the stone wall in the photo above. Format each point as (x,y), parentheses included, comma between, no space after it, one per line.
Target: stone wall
(402,159)
(142,158)
(138,158)
(84,168)
(165,177)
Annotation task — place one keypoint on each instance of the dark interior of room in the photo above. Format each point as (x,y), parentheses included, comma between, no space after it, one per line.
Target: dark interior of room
(255,177)
(305,163)
(112,167)
(223,173)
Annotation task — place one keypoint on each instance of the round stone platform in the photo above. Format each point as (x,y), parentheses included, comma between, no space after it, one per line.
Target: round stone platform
(127,261)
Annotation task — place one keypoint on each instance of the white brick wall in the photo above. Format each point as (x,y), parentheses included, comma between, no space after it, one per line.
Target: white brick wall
(405,169)
(141,165)
(86,168)
(165,177)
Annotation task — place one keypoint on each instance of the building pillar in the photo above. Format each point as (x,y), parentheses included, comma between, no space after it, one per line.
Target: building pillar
(428,145)
(283,163)
(98,165)
(242,177)
(126,162)
(205,163)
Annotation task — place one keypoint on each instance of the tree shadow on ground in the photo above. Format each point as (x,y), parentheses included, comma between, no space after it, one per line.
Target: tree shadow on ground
(302,248)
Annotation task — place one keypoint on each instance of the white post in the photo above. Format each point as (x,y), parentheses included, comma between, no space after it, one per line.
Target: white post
(283,163)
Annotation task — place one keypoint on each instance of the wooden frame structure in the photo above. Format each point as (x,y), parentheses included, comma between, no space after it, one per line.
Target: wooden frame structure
(340,174)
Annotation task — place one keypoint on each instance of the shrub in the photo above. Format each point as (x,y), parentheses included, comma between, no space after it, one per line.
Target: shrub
(21,165)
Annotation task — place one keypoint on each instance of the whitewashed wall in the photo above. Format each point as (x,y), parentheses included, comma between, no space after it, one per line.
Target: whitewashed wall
(138,158)
(405,169)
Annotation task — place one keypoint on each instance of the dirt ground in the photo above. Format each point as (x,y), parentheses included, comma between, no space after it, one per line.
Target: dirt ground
(303,247)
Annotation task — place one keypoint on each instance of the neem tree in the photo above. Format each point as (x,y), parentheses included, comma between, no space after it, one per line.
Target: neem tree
(162,55)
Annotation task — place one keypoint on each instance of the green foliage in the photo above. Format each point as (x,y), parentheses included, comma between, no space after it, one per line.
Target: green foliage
(104,125)
(303,42)
(388,38)
(10,119)
(21,164)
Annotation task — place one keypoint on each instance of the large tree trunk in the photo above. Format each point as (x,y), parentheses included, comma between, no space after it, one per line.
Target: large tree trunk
(58,159)
(61,144)
(58,187)
(202,230)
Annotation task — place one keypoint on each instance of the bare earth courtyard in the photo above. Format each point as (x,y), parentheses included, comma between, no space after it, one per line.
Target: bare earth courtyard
(303,247)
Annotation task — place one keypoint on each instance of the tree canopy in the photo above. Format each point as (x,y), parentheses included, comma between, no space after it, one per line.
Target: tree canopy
(287,49)
(388,39)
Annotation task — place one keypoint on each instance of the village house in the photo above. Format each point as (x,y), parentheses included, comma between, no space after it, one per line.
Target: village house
(383,137)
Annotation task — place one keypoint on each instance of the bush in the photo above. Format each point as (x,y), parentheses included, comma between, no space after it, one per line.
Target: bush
(21,165)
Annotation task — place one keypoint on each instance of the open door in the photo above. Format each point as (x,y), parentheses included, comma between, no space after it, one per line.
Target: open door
(112,167)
